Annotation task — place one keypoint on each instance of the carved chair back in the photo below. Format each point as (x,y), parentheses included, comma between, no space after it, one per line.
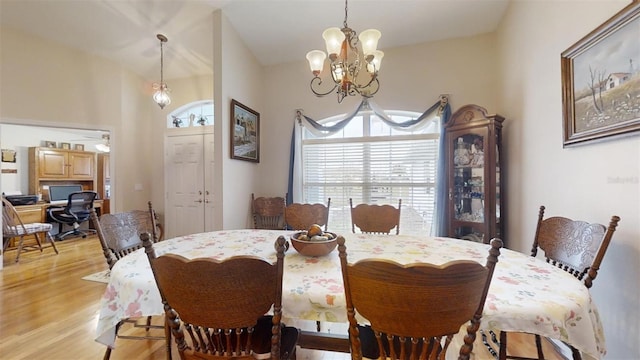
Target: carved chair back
(268,212)
(375,219)
(414,310)
(119,233)
(301,216)
(575,246)
(225,319)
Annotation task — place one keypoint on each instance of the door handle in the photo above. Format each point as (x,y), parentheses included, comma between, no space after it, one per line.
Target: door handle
(199,201)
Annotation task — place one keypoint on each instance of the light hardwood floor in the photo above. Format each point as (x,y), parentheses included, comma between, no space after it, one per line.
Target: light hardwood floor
(48,312)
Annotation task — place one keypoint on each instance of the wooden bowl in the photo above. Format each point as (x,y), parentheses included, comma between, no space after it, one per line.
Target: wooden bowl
(313,248)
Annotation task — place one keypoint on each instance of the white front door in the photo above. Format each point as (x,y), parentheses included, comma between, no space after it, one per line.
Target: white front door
(189,184)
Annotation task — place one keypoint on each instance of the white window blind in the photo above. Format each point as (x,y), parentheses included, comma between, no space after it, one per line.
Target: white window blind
(373,169)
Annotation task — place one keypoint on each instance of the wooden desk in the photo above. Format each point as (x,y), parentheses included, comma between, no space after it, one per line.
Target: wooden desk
(38,212)
(523,290)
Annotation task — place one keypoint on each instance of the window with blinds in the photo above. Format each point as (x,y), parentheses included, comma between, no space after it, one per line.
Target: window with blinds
(373,163)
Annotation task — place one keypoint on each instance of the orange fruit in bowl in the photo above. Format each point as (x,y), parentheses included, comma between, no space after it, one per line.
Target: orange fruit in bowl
(314,230)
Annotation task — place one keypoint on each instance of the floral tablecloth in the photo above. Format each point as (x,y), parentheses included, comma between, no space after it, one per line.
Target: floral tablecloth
(526,293)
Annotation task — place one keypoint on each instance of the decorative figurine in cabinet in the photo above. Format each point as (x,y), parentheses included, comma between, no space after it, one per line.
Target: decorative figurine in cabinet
(473,151)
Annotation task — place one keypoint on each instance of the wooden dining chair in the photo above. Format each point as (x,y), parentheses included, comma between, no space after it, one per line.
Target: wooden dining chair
(119,235)
(414,310)
(268,212)
(299,216)
(13,227)
(216,309)
(375,219)
(574,246)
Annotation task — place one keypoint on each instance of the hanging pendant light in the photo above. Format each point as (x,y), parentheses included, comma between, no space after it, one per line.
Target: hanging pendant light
(346,61)
(161,96)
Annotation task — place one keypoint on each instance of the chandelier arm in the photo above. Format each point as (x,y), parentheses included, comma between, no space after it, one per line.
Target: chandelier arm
(318,81)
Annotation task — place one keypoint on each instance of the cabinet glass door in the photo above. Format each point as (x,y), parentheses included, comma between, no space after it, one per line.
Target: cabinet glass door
(468,191)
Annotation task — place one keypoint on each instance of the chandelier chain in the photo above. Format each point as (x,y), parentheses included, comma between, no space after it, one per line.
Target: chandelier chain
(346,10)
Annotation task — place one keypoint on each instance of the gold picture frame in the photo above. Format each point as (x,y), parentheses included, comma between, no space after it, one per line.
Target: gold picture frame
(601,80)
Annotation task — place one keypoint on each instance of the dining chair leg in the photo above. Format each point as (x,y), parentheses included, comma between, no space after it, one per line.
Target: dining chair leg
(502,355)
(107,354)
(167,334)
(20,245)
(53,243)
(576,353)
(539,347)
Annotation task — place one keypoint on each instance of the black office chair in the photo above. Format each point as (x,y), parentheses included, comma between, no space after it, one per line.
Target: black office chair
(77,211)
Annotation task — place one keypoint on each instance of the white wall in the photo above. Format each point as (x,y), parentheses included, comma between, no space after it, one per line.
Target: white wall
(69,88)
(578,182)
(238,76)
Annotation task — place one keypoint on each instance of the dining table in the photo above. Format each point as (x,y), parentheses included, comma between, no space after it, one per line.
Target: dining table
(527,294)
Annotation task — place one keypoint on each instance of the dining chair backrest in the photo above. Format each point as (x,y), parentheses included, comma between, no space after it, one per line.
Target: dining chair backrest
(119,233)
(301,216)
(215,309)
(575,246)
(375,219)
(267,212)
(414,309)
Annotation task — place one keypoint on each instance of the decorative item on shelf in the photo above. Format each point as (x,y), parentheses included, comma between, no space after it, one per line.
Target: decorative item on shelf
(79,147)
(177,122)
(346,61)
(192,118)
(161,96)
(461,155)
(50,144)
(65,145)
(202,121)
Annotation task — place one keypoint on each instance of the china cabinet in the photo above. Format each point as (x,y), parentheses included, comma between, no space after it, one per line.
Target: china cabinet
(474,175)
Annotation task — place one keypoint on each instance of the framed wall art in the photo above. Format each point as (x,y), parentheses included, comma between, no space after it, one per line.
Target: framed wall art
(79,147)
(50,144)
(8,155)
(65,145)
(245,133)
(601,80)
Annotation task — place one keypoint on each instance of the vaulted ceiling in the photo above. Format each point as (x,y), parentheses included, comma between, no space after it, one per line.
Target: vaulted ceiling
(276,31)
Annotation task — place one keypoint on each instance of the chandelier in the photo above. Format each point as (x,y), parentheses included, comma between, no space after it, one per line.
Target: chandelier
(346,61)
(161,96)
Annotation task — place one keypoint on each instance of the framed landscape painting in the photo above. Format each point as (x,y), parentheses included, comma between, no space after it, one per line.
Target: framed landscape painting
(245,133)
(601,80)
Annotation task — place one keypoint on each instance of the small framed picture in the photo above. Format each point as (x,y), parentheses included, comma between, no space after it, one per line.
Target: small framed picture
(79,147)
(50,144)
(8,155)
(64,145)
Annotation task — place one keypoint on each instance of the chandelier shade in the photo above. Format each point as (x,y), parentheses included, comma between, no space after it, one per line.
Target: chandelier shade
(346,60)
(161,96)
